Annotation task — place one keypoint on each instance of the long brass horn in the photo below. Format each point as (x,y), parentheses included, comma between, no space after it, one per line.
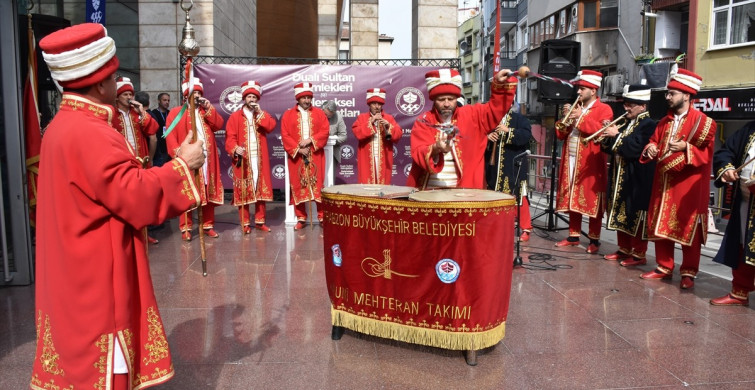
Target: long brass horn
(566,122)
(619,122)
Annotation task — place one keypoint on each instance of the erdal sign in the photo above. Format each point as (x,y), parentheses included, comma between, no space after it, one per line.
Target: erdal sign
(727,104)
(720,104)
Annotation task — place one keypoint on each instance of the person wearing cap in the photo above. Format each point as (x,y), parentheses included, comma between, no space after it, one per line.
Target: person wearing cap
(304,133)
(136,126)
(582,172)
(506,166)
(735,250)
(97,318)
(448,143)
(134,123)
(377,132)
(208,121)
(246,142)
(682,146)
(337,127)
(630,182)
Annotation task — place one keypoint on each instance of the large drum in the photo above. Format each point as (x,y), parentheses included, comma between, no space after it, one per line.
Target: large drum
(371,190)
(435,272)
(458,195)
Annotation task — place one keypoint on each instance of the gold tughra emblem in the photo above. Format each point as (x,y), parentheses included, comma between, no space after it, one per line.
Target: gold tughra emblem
(374,268)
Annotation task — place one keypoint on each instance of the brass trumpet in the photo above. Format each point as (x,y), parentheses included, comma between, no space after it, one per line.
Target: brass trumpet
(566,122)
(619,122)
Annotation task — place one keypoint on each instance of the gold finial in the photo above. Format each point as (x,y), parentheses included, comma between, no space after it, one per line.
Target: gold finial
(189,46)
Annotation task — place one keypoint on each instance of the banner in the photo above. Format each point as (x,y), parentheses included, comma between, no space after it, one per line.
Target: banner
(95,11)
(430,273)
(33,133)
(347,85)
(497,39)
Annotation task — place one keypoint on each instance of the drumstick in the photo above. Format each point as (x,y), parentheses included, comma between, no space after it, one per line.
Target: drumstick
(744,165)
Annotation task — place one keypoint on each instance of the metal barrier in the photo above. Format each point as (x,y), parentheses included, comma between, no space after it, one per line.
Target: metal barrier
(543,190)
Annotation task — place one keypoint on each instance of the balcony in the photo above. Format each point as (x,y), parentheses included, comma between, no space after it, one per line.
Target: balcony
(508,15)
(662,4)
(681,60)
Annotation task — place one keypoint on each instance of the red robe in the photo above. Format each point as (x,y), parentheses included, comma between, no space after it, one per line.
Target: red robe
(236,135)
(474,123)
(586,192)
(211,122)
(93,284)
(306,180)
(143,128)
(364,130)
(679,199)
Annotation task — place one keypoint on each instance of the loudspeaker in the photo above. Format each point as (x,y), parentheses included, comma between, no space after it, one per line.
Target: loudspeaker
(559,58)
(43,25)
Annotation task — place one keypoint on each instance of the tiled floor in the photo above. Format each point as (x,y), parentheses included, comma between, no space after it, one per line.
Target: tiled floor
(261,319)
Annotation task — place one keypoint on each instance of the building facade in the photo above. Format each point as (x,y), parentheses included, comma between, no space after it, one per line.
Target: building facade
(470,51)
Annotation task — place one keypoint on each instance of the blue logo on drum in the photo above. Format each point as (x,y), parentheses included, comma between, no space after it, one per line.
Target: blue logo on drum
(447,270)
(337,255)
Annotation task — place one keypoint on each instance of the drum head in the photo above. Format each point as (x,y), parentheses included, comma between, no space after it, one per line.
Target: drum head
(370,190)
(458,195)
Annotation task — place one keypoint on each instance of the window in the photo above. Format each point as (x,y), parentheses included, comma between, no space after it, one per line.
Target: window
(600,14)
(551,27)
(343,54)
(609,13)
(542,31)
(733,22)
(561,24)
(590,14)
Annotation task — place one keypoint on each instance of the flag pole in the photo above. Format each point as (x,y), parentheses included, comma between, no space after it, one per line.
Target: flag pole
(189,47)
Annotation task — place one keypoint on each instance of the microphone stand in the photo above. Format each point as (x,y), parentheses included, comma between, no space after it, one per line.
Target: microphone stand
(518,165)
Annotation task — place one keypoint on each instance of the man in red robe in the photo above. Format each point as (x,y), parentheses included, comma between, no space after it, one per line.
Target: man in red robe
(136,125)
(304,132)
(377,132)
(682,145)
(582,172)
(448,143)
(96,315)
(246,141)
(208,121)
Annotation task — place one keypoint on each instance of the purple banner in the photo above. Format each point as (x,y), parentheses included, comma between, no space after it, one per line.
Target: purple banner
(347,85)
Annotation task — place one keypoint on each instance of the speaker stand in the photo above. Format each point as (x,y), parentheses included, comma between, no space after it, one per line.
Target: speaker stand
(550,211)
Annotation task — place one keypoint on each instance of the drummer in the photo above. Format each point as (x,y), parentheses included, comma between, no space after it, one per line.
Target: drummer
(448,143)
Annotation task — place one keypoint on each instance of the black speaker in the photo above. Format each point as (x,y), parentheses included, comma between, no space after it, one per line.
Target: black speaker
(42,25)
(559,58)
